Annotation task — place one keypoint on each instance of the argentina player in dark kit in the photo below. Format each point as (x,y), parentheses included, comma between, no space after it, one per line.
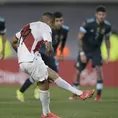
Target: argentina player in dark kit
(90,37)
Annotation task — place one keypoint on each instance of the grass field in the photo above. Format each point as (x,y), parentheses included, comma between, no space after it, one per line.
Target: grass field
(60,105)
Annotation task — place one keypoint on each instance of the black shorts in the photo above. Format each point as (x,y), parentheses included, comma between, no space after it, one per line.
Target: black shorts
(50,62)
(95,58)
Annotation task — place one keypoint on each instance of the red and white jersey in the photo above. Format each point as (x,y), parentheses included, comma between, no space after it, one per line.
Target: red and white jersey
(30,39)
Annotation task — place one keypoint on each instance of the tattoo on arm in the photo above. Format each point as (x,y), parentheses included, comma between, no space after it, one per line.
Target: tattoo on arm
(48,45)
(80,42)
(49,48)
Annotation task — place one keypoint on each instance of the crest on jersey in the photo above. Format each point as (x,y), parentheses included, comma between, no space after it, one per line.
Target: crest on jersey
(77,64)
(103,31)
(98,29)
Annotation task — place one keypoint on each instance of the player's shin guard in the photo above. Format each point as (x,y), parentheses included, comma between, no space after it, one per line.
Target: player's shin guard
(99,87)
(45,100)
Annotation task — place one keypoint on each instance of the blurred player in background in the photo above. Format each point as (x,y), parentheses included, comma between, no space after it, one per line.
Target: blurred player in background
(59,36)
(113,47)
(3,36)
(90,37)
(30,60)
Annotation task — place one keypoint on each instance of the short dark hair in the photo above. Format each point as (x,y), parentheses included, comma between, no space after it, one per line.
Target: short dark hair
(58,14)
(101,8)
(49,15)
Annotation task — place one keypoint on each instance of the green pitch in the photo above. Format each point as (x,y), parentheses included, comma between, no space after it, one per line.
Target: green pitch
(60,105)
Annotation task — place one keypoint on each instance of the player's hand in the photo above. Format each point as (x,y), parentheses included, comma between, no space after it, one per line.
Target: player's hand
(2,55)
(83,57)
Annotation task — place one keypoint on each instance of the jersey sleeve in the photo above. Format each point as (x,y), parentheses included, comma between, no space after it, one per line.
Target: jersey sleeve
(2,26)
(84,27)
(87,25)
(47,33)
(18,34)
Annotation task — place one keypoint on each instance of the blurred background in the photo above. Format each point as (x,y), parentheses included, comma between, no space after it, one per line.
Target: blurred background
(17,13)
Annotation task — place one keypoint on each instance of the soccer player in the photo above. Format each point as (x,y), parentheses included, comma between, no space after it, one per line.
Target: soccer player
(30,60)
(59,33)
(59,36)
(3,35)
(90,36)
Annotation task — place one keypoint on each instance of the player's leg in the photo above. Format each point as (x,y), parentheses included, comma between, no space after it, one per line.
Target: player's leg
(76,83)
(38,73)
(45,100)
(44,90)
(53,64)
(99,85)
(65,85)
(36,89)
(20,92)
(97,63)
(50,62)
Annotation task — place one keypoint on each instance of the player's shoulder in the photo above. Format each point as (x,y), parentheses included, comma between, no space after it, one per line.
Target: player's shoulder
(65,27)
(2,19)
(90,20)
(107,23)
(41,25)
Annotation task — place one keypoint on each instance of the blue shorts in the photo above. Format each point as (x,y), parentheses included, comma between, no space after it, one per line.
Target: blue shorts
(50,62)
(95,57)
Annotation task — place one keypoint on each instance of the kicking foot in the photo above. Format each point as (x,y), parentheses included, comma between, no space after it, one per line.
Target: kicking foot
(87,94)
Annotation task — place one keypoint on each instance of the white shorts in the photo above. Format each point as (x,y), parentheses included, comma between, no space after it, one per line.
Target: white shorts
(36,69)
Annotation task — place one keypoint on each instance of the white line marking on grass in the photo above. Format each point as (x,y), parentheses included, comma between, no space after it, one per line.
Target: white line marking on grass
(58,101)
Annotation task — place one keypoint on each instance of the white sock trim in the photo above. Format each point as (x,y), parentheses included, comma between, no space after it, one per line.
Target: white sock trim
(99,86)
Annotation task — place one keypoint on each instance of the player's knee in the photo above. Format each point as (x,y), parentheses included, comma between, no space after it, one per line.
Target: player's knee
(44,85)
(52,74)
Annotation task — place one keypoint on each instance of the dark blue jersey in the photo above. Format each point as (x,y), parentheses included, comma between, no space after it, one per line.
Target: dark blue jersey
(94,34)
(58,36)
(2,26)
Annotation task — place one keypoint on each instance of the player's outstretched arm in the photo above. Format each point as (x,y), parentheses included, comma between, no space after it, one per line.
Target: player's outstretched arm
(14,43)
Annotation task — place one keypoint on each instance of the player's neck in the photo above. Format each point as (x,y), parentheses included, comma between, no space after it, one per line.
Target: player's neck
(58,29)
(98,22)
